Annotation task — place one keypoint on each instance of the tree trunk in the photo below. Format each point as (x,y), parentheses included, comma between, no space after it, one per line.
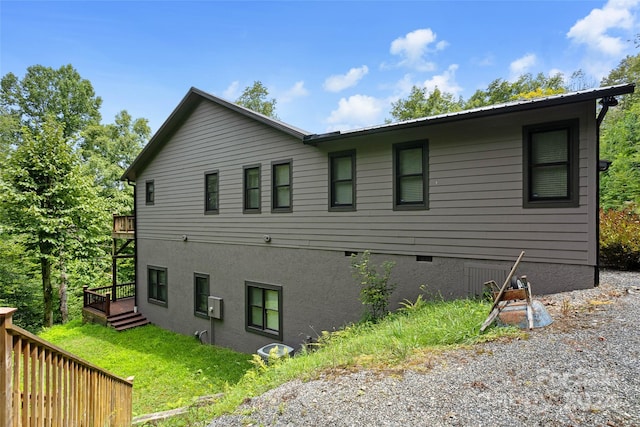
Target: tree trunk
(47,291)
(62,292)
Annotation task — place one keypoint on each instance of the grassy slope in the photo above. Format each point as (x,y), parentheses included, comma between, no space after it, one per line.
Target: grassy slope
(169,369)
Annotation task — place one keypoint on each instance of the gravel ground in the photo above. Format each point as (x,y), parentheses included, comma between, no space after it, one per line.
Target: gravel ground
(583,370)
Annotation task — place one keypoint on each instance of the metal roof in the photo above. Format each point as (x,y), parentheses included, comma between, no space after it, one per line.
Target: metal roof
(490,110)
(195,96)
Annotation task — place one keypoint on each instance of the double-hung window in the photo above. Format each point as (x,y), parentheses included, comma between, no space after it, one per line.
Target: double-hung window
(251,189)
(157,285)
(211,200)
(264,309)
(281,175)
(201,294)
(149,192)
(342,181)
(411,177)
(550,161)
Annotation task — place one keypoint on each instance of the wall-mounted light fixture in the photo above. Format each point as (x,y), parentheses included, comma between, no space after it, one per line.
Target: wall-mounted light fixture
(603,165)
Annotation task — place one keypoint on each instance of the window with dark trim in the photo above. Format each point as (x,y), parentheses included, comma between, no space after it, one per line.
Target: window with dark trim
(251,185)
(211,192)
(149,192)
(281,189)
(264,309)
(157,285)
(550,161)
(410,175)
(342,181)
(201,294)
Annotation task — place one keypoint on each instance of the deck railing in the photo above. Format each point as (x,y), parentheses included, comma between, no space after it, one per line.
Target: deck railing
(43,385)
(101,298)
(124,223)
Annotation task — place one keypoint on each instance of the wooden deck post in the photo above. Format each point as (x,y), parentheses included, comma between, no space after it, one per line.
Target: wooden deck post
(6,350)
(107,304)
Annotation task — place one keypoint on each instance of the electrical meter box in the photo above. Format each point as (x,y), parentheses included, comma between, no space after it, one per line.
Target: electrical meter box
(215,307)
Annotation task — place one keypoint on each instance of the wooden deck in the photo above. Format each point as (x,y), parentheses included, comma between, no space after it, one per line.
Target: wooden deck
(121,306)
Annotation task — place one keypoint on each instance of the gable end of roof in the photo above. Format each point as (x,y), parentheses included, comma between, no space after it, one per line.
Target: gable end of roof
(187,105)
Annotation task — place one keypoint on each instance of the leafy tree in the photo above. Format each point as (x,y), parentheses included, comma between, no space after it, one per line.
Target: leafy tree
(419,103)
(108,150)
(46,199)
(525,87)
(43,91)
(254,97)
(628,71)
(620,141)
(19,286)
(9,128)
(580,81)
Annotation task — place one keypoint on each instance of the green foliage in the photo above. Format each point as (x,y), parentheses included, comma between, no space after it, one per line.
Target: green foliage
(59,184)
(620,239)
(628,71)
(419,103)
(620,141)
(398,341)
(526,86)
(19,287)
(254,97)
(375,289)
(108,150)
(46,199)
(170,370)
(407,306)
(44,92)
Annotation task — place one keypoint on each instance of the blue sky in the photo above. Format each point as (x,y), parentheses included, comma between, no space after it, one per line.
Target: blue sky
(330,65)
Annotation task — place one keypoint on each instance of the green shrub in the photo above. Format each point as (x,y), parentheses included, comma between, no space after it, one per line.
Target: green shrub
(375,289)
(620,239)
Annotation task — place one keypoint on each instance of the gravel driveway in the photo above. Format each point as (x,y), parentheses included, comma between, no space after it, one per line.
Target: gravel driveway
(583,370)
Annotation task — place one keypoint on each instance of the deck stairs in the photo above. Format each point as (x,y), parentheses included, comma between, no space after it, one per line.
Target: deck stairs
(128,320)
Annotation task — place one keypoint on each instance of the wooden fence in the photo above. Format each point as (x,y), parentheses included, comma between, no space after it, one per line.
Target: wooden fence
(43,385)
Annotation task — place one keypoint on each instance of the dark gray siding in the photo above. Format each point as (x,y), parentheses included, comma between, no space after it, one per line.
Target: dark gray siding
(475,186)
(475,227)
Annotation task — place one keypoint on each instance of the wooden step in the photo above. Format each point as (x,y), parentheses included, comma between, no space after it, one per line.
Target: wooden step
(124,321)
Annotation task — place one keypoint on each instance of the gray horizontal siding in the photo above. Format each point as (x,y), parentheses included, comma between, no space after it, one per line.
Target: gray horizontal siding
(475,192)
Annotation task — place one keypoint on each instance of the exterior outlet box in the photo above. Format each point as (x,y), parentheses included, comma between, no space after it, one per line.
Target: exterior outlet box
(214,307)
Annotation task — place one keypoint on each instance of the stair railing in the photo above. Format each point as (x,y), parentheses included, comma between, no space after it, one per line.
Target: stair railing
(43,385)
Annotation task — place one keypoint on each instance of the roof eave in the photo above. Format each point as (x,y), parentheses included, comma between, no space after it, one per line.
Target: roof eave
(492,110)
(190,101)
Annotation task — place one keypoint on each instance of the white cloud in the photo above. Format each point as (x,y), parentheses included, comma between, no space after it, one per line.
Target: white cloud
(232,92)
(445,82)
(357,111)
(296,91)
(404,86)
(593,29)
(522,65)
(413,47)
(485,61)
(339,82)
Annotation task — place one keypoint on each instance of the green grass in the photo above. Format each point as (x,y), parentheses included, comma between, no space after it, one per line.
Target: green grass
(170,370)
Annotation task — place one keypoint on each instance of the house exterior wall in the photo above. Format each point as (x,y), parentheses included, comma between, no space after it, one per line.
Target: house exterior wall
(475,215)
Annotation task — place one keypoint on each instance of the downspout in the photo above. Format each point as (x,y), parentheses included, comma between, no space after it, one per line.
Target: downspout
(609,101)
(135,245)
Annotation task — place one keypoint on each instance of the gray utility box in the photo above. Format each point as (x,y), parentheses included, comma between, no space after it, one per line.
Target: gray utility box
(214,307)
